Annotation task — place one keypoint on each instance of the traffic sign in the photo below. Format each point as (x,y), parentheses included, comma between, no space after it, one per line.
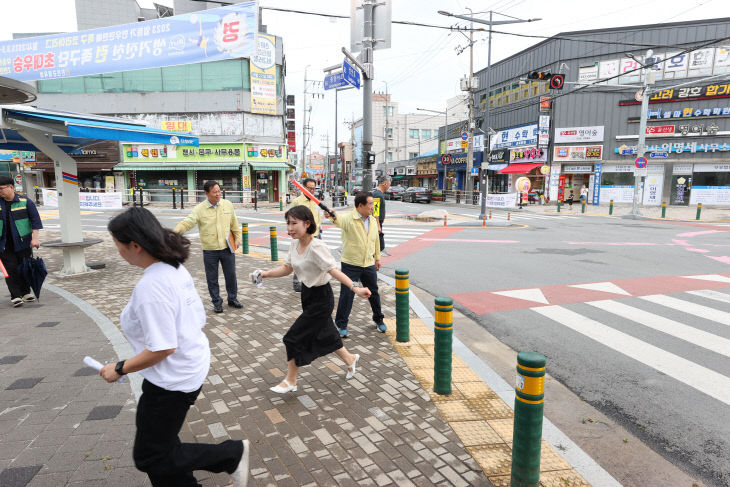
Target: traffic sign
(464,144)
(640,162)
(446,159)
(464,136)
(350,74)
(333,81)
(659,154)
(18,179)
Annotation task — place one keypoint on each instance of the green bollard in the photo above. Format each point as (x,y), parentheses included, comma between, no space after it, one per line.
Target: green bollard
(664,210)
(244,237)
(274,250)
(402,307)
(558,206)
(699,210)
(527,430)
(610,208)
(281,203)
(583,207)
(443,329)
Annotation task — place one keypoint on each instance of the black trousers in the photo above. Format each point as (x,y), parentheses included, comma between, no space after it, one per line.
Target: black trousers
(17,284)
(228,263)
(157,449)
(368,276)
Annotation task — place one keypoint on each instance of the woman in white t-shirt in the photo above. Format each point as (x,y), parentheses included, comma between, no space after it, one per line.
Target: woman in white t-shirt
(584,194)
(313,333)
(163,322)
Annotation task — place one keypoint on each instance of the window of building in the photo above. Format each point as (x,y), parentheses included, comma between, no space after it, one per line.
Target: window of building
(187,77)
(412,133)
(412,155)
(389,132)
(143,80)
(223,75)
(711,179)
(104,83)
(63,85)
(390,156)
(389,110)
(425,133)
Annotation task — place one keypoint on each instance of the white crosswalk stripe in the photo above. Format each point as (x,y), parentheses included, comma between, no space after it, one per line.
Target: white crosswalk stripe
(502,215)
(394,236)
(705,312)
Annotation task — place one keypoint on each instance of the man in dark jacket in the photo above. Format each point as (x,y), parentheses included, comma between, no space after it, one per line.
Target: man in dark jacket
(19,225)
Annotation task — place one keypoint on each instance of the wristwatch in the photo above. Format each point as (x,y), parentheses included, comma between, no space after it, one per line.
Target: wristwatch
(118,368)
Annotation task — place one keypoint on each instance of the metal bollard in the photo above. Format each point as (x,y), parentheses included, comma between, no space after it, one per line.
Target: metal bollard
(509,216)
(255,202)
(402,306)
(610,208)
(558,206)
(182,198)
(244,237)
(699,211)
(490,214)
(444,220)
(664,210)
(583,207)
(443,329)
(223,191)
(458,196)
(527,429)
(174,205)
(37,198)
(274,250)
(281,203)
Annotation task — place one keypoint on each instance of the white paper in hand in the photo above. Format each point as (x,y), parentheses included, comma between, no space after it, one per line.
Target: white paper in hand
(256,278)
(96,365)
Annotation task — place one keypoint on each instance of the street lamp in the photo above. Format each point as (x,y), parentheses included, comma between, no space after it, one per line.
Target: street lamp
(490,23)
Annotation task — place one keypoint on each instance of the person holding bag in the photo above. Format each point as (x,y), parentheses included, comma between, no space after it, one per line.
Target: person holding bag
(163,322)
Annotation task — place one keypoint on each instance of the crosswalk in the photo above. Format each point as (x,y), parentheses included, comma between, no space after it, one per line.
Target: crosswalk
(517,216)
(688,320)
(394,236)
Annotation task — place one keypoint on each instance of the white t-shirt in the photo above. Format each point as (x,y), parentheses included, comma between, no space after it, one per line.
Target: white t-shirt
(313,266)
(166,312)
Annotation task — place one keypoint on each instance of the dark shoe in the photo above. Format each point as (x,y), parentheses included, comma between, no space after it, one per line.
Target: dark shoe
(218,308)
(235,303)
(297,287)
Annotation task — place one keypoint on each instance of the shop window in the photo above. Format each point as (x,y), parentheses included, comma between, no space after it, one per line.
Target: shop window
(711,179)
(187,77)
(63,85)
(617,179)
(104,83)
(223,75)
(143,80)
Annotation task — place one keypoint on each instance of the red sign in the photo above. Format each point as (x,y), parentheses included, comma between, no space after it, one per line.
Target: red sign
(640,162)
(18,179)
(544,103)
(658,130)
(446,159)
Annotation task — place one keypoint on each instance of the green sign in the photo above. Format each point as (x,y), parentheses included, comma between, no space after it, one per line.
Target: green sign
(265,153)
(172,153)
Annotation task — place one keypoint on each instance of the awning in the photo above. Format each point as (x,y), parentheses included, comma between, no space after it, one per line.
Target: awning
(521,168)
(182,166)
(269,166)
(74,126)
(496,167)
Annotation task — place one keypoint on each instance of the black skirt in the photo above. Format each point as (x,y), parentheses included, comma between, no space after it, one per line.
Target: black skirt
(313,334)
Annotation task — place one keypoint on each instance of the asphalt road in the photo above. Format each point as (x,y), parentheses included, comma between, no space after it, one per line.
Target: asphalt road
(606,300)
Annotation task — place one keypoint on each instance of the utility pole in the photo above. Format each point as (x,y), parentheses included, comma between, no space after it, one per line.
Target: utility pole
(367,95)
(470,85)
(385,163)
(641,146)
(304,124)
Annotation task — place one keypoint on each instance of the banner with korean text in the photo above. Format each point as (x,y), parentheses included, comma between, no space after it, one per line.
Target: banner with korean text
(209,35)
(263,76)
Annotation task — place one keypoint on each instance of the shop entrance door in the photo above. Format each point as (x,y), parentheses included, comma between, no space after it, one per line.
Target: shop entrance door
(680,190)
(275,183)
(262,186)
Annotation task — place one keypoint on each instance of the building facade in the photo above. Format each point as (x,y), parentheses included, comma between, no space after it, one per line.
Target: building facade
(587,132)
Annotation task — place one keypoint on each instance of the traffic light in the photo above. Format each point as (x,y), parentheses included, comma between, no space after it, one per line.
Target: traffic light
(540,75)
(557,82)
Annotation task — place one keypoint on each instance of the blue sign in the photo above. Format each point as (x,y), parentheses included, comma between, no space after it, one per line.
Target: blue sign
(660,155)
(598,170)
(640,162)
(209,35)
(464,136)
(350,74)
(475,171)
(332,81)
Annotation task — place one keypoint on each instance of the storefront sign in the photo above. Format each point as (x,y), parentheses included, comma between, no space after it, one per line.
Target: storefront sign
(515,137)
(578,153)
(653,189)
(410,171)
(456,144)
(89,201)
(265,153)
(686,112)
(554,181)
(543,129)
(528,155)
(678,147)
(500,155)
(401,171)
(579,134)
(177,125)
(221,33)
(577,169)
(682,169)
(23,156)
(659,130)
(598,168)
(708,92)
(588,73)
(170,153)
(545,103)
(263,75)
(721,167)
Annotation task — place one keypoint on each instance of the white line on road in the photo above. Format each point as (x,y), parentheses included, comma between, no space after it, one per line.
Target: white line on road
(701,378)
(689,307)
(665,325)
(710,294)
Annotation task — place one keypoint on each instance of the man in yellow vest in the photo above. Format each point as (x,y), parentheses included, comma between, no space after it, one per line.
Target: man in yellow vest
(19,226)
(302,200)
(216,220)
(360,259)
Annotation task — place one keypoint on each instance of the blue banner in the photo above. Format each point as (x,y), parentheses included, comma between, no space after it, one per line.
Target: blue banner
(598,169)
(208,35)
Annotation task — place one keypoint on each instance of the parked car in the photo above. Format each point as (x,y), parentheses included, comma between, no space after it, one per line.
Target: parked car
(417,194)
(356,189)
(394,193)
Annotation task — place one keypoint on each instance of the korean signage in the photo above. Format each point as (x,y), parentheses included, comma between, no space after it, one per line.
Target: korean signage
(515,137)
(722,167)
(265,153)
(597,183)
(543,130)
(578,153)
(528,155)
(500,155)
(456,144)
(177,125)
(659,130)
(579,134)
(89,201)
(687,112)
(221,33)
(171,153)
(577,169)
(718,90)
(263,76)
(678,147)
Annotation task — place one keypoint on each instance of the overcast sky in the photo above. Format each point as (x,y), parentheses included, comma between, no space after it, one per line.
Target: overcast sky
(422,68)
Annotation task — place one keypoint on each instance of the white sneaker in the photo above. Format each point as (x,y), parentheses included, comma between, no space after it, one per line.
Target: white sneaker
(29,298)
(283,390)
(352,369)
(17,302)
(240,475)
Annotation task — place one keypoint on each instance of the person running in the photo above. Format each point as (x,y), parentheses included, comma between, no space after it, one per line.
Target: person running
(379,208)
(303,200)
(216,220)
(163,322)
(313,333)
(360,259)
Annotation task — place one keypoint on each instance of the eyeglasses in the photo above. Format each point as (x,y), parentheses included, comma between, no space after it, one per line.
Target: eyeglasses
(3,188)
